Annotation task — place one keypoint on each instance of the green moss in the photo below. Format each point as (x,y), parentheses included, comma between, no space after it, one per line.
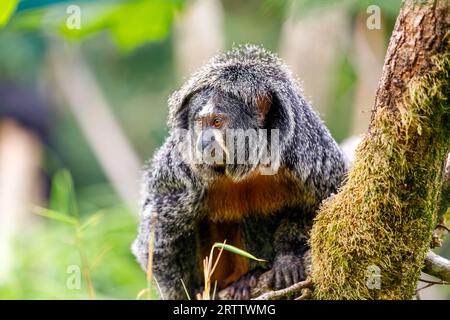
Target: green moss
(385,213)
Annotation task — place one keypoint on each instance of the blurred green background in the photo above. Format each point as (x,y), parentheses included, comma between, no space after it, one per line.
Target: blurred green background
(84,88)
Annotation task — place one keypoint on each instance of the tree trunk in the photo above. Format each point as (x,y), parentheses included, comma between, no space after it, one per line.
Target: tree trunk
(370,240)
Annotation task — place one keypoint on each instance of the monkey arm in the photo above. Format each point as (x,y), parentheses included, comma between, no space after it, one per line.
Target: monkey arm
(171,213)
(291,247)
(174,244)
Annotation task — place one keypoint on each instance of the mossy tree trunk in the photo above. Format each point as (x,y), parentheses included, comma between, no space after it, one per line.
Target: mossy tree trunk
(370,240)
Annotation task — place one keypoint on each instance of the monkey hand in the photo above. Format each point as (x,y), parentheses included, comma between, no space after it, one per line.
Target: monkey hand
(241,288)
(287,269)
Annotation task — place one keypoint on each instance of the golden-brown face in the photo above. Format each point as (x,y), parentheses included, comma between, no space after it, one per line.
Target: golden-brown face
(211,132)
(213,121)
(225,133)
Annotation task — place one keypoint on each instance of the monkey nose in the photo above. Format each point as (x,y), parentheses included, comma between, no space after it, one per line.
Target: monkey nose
(207,138)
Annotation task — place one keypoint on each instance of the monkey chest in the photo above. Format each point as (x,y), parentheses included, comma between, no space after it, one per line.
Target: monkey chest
(227,200)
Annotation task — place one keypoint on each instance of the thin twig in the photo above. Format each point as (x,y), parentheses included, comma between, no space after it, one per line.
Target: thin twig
(185,290)
(151,239)
(159,289)
(208,270)
(435,282)
(442,226)
(289,291)
(425,286)
(307,293)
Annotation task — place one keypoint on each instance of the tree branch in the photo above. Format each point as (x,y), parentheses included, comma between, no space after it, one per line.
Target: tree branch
(437,266)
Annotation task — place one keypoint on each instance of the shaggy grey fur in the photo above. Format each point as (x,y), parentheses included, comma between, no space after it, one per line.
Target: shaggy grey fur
(173,192)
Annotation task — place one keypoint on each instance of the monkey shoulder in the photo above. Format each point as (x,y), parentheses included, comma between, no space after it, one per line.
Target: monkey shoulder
(169,181)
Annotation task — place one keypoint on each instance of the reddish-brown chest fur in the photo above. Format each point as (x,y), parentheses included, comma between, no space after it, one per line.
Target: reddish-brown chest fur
(228,202)
(259,194)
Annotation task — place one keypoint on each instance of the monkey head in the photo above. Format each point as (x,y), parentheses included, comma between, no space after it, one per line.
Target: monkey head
(227,135)
(239,112)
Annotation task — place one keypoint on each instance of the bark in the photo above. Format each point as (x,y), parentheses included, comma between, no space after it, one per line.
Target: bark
(419,34)
(370,241)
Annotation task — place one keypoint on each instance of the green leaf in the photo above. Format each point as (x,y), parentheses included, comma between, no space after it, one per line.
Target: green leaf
(144,294)
(62,197)
(131,23)
(92,220)
(54,215)
(142,21)
(7,8)
(98,258)
(233,249)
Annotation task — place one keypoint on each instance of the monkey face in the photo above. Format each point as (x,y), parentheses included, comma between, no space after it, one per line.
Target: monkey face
(226,134)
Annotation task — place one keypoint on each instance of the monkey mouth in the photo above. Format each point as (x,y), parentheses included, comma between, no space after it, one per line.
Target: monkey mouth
(219,169)
(236,172)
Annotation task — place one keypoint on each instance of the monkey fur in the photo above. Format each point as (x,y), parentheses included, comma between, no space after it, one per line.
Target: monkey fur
(192,206)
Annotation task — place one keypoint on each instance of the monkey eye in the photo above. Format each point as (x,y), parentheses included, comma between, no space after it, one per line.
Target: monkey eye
(216,122)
